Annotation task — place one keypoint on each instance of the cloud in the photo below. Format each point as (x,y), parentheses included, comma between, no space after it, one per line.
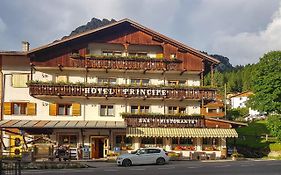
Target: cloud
(2,26)
(248,47)
(215,26)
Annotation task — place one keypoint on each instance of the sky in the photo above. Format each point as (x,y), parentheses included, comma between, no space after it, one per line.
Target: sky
(242,30)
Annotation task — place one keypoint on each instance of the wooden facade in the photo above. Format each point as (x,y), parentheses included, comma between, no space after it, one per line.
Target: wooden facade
(125,34)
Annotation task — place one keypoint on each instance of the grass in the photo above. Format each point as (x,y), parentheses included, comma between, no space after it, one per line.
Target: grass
(275,147)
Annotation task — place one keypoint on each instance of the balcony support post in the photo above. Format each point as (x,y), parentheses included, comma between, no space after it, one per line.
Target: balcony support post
(212,74)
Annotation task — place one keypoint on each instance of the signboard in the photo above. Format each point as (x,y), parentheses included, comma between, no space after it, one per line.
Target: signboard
(126,91)
(164,121)
(86,152)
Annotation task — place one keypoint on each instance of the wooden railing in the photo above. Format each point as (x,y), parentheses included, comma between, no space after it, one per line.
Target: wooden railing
(164,92)
(212,114)
(127,63)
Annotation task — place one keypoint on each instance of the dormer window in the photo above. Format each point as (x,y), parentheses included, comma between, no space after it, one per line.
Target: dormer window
(138,54)
(112,53)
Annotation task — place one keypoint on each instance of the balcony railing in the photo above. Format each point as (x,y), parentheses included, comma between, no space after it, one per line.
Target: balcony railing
(128,63)
(212,114)
(161,92)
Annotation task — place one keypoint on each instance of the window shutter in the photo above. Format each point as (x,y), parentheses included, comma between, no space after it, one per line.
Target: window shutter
(19,80)
(159,55)
(31,108)
(76,109)
(52,109)
(7,108)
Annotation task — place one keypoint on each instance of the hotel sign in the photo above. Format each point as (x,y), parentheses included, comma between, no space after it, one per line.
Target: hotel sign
(125,91)
(183,121)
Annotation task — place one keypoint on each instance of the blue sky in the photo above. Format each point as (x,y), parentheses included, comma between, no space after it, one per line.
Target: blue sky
(242,30)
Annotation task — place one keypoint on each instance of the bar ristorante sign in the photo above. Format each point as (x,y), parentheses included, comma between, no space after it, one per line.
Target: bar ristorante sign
(164,121)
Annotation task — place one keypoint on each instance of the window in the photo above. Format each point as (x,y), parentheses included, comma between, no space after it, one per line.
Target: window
(212,110)
(106,110)
(185,141)
(152,142)
(111,53)
(153,151)
(182,144)
(124,142)
(20,80)
(19,108)
(172,56)
(210,144)
(176,82)
(107,80)
(73,109)
(176,110)
(139,109)
(70,140)
(61,79)
(138,54)
(210,141)
(64,109)
(140,81)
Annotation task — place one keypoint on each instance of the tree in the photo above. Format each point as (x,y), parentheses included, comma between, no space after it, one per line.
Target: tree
(267,84)
(274,125)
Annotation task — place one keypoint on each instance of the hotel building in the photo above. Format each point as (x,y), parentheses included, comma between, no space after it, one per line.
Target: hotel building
(112,89)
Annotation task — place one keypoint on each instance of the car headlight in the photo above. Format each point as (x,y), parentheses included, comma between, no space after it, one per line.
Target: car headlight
(119,158)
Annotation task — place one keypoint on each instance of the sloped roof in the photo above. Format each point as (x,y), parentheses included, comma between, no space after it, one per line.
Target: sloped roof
(138,26)
(13,53)
(243,94)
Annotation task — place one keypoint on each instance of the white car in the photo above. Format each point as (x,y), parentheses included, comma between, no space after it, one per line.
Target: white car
(144,156)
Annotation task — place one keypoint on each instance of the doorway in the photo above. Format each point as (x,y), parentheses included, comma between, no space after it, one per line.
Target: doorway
(99,147)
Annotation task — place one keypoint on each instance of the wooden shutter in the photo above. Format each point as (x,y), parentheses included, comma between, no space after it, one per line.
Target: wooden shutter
(53,109)
(7,108)
(159,55)
(76,109)
(31,108)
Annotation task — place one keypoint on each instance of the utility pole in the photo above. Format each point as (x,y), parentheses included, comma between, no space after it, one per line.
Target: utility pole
(225,100)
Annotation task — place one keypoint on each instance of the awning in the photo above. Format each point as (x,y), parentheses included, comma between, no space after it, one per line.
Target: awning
(181,132)
(60,124)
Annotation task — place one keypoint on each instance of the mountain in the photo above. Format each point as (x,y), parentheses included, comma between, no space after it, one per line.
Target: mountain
(224,65)
(93,24)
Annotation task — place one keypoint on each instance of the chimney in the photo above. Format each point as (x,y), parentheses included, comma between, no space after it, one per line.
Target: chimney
(25,46)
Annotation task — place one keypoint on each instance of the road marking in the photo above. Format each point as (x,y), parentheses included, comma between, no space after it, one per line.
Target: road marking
(194,167)
(111,170)
(245,165)
(221,166)
(137,169)
(166,168)
(273,164)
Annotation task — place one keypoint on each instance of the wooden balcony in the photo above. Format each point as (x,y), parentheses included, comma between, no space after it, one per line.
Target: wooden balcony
(212,114)
(126,91)
(126,63)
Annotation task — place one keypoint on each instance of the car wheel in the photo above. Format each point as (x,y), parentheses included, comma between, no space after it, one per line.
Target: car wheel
(160,161)
(127,162)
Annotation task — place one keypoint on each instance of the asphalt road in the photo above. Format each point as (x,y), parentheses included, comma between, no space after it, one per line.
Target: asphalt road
(249,167)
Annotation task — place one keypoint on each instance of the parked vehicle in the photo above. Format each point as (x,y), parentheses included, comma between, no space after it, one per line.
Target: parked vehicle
(144,156)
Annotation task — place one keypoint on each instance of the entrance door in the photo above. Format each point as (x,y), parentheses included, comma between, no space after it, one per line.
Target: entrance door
(98,147)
